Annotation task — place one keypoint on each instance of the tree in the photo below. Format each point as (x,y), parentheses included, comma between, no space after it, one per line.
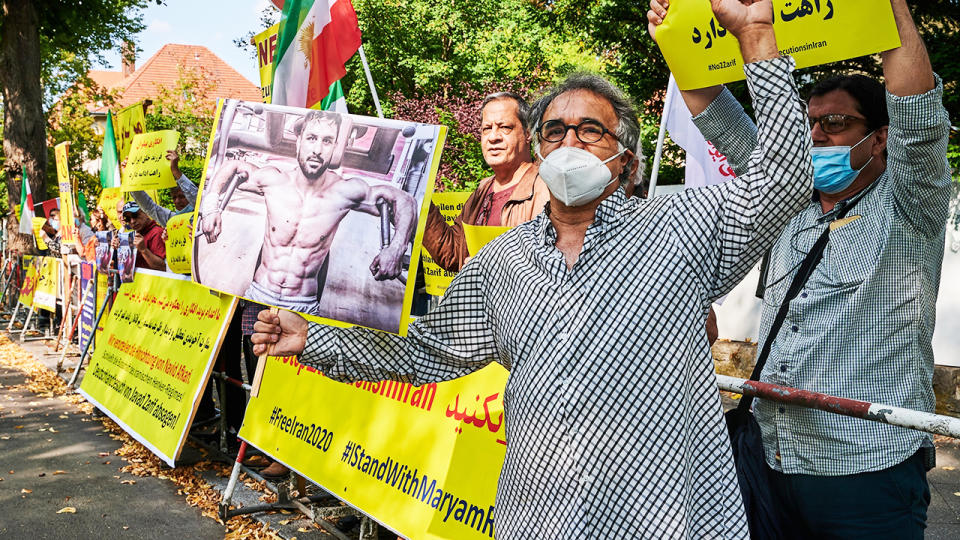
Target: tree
(56,42)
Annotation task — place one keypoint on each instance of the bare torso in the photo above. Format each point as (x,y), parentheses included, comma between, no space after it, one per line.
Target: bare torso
(302,218)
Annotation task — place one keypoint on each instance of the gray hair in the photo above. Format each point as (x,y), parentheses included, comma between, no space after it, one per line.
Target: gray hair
(523,108)
(628,128)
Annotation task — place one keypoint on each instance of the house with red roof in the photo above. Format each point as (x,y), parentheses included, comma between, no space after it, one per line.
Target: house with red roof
(163,70)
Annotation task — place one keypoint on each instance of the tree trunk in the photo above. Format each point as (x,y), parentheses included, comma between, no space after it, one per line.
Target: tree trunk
(24,125)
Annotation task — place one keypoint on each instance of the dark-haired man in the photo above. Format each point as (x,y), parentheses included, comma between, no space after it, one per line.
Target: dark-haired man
(304,210)
(862,325)
(514,193)
(611,433)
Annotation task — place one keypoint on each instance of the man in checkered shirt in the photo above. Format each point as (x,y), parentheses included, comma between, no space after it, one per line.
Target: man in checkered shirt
(611,433)
(862,326)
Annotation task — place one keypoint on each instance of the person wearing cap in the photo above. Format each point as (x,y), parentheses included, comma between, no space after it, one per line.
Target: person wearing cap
(151,251)
(184,195)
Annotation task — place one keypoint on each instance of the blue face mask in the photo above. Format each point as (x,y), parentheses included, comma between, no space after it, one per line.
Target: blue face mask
(832,172)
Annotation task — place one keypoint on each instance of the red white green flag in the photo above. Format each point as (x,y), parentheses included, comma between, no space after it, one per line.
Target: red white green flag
(26,206)
(316,39)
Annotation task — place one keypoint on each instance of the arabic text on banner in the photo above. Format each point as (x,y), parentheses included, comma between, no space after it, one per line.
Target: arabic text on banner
(129,122)
(437,279)
(702,53)
(147,166)
(266,44)
(180,243)
(424,461)
(154,357)
(68,230)
(48,277)
(29,280)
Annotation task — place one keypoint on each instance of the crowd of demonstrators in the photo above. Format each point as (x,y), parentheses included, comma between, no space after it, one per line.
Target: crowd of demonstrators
(861,327)
(569,288)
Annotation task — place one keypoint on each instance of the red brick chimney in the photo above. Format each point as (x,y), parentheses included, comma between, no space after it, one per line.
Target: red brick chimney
(128,57)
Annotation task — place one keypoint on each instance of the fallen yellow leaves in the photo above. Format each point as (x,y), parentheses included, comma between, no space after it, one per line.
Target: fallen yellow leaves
(67,510)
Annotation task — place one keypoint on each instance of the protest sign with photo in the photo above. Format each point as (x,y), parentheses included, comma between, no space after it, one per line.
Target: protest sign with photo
(702,53)
(29,285)
(126,257)
(88,303)
(104,250)
(422,460)
(48,278)
(179,243)
(436,279)
(316,211)
(155,356)
(147,166)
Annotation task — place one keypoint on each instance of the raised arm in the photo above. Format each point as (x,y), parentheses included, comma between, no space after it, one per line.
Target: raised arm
(186,185)
(716,113)
(918,131)
(156,212)
(451,341)
(729,226)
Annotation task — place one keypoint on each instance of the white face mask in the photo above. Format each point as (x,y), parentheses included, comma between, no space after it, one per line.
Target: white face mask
(575,176)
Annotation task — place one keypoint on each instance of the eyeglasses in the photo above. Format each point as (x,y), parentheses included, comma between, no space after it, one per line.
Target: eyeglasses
(835,123)
(588,131)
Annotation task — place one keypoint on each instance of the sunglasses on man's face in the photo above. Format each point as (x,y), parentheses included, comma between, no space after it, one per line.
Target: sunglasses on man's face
(835,123)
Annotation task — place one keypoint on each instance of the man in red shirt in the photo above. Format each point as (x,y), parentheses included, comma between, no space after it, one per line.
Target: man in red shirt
(151,251)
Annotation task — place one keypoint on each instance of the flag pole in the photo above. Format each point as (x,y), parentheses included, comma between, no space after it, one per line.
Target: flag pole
(652,189)
(373,89)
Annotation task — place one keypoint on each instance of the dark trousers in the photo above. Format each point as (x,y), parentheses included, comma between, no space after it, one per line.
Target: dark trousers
(889,503)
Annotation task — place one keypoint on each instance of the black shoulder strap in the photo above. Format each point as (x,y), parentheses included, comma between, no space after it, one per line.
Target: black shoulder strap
(799,280)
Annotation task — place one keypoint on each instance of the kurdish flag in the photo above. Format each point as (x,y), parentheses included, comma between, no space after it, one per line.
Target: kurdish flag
(316,39)
(26,205)
(109,164)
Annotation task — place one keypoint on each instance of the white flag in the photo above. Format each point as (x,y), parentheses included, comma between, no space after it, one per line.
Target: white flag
(706,166)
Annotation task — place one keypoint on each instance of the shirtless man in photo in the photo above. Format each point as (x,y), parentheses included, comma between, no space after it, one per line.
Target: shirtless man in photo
(304,210)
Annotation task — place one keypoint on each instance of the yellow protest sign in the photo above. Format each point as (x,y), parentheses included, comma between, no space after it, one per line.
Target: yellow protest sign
(109,198)
(103,286)
(180,243)
(29,285)
(147,165)
(478,236)
(48,279)
(436,279)
(266,44)
(424,461)
(129,123)
(701,53)
(68,230)
(154,358)
(37,225)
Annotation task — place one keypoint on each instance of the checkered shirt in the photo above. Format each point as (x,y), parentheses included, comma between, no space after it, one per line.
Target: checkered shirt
(862,326)
(613,419)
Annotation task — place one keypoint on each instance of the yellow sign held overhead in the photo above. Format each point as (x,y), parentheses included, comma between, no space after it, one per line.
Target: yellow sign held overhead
(147,165)
(702,53)
(129,123)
